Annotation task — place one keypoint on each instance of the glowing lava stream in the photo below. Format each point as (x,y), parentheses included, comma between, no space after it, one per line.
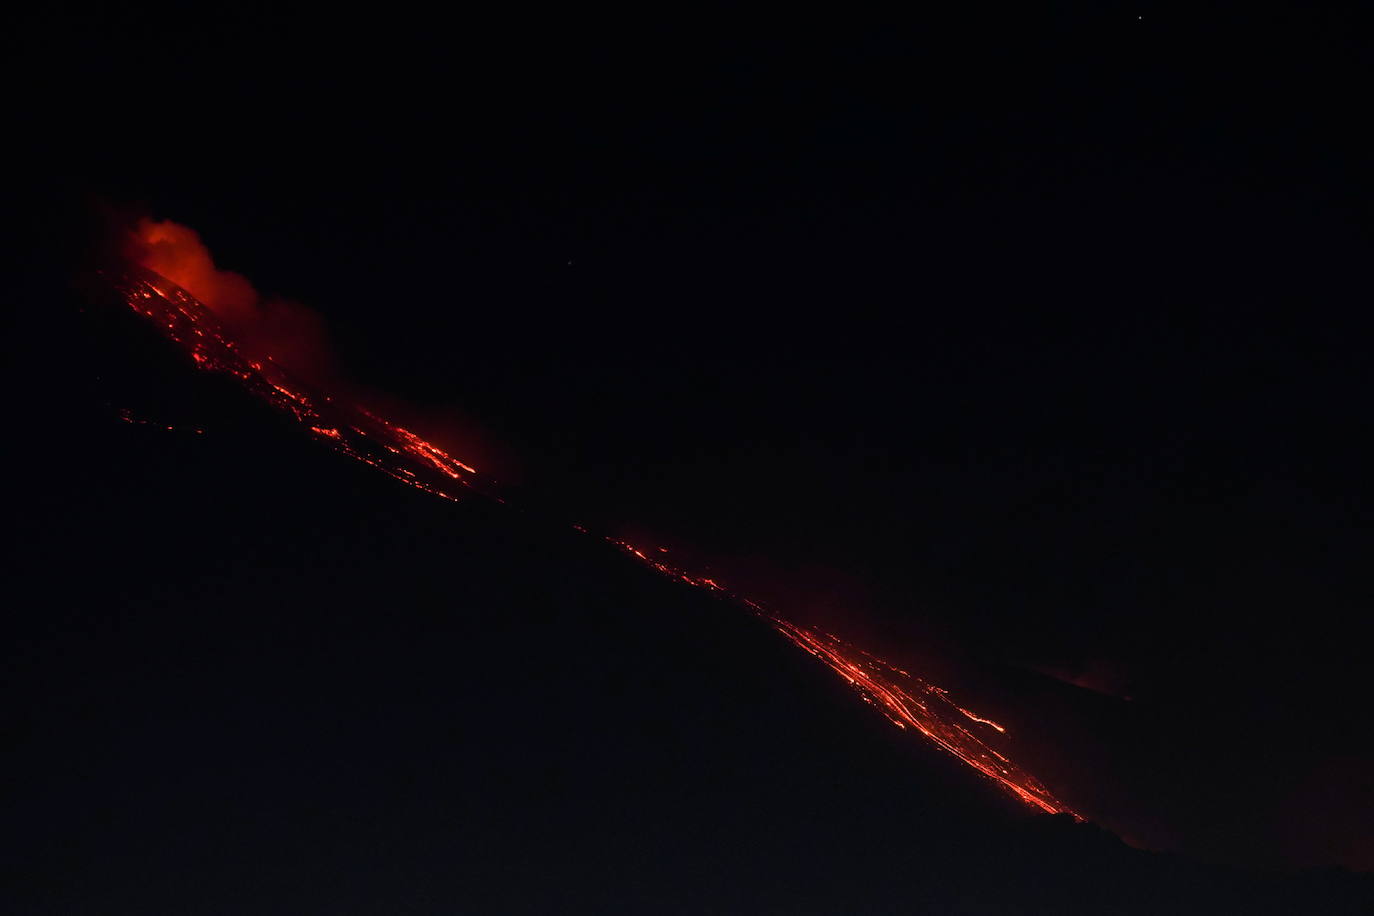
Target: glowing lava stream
(906,700)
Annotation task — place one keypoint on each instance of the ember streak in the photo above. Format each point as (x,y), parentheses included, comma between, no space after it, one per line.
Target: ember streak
(128,417)
(906,700)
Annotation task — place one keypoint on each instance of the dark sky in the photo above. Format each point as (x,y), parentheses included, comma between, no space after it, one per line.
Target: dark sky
(1037,341)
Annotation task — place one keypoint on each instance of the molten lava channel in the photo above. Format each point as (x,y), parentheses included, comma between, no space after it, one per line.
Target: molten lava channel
(907,701)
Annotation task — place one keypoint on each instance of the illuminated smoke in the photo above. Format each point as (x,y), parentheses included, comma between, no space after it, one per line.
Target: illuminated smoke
(206,331)
(177,253)
(273,328)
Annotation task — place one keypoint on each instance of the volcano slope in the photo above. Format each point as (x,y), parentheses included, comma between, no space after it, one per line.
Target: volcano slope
(251,676)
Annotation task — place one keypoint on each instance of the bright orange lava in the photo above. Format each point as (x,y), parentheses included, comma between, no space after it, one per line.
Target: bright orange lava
(349,428)
(906,700)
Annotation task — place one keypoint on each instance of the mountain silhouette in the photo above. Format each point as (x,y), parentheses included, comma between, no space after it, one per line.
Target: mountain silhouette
(256,677)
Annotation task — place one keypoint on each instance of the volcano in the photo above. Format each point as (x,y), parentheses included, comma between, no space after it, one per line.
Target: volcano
(906,700)
(265,679)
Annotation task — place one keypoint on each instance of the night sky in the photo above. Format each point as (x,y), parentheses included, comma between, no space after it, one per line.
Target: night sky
(1031,348)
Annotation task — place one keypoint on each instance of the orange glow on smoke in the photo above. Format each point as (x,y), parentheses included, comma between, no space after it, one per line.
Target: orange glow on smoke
(205,329)
(273,328)
(177,253)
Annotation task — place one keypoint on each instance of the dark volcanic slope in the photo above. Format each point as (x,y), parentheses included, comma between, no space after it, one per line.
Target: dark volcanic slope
(253,677)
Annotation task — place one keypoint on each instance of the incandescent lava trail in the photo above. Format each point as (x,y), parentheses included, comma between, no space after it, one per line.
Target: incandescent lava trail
(906,700)
(347,427)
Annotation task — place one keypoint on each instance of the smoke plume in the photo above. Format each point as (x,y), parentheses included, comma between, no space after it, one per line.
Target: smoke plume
(282,330)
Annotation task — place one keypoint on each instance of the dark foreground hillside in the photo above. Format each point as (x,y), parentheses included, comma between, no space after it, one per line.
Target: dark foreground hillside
(247,676)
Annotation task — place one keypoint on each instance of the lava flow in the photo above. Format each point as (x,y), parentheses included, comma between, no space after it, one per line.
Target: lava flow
(906,700)
(347,427)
